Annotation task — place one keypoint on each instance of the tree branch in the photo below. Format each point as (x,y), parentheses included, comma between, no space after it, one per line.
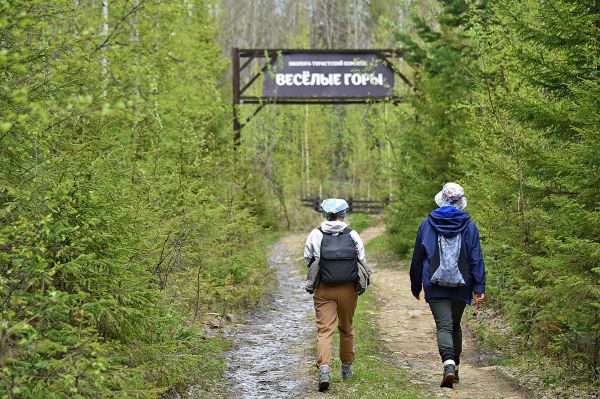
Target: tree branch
(124,17)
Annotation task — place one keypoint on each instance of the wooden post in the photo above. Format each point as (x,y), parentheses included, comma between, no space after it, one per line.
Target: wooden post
(235,78)
(306,152)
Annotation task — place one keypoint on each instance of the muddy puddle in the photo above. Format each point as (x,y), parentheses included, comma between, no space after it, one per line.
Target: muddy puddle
(272,349)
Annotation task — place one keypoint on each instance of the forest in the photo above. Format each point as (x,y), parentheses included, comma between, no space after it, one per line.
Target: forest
(128,218)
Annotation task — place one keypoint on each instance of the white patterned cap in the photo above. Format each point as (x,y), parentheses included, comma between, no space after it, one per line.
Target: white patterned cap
(452,194)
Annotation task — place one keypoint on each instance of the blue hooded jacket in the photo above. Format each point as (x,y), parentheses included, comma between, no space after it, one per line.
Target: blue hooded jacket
(448,221)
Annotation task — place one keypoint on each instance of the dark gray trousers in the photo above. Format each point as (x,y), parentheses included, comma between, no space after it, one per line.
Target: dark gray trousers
(447,313)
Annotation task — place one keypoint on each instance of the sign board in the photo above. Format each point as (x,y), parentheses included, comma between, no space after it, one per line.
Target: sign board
(312,76)
(328,75)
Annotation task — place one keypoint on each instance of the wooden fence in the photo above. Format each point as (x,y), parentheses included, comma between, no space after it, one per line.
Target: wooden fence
(360,206)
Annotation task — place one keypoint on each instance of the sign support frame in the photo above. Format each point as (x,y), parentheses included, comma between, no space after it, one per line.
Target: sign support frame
(270,56)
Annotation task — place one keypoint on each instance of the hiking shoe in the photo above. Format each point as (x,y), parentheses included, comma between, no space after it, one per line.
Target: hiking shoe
(448,379)
(324,378)
(456,380)
(346,371)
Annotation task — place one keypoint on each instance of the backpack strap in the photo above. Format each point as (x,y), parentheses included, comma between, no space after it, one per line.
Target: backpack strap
(345,231)
(322,232)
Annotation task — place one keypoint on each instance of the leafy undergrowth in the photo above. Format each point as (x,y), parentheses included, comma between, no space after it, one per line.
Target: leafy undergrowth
(207,365)
(375,373)
(546,376)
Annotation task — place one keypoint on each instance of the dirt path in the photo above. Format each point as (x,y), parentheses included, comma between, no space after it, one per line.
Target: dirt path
(408,330)
(273,350)
(271,346)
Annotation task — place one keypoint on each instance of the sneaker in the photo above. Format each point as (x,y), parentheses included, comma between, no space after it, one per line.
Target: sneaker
(324,378)
(346,371)
(456,380)
(448,378)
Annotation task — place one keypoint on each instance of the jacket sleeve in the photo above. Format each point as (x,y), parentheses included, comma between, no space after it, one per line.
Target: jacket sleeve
(312,278)
(477,265)
(416,264)
(309,249)
(360,247)
(364,278)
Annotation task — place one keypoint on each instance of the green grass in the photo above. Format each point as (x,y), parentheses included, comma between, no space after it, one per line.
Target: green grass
(378,244)
(376,375)
(359,221)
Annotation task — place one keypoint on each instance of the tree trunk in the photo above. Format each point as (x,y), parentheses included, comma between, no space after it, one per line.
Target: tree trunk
(135,38)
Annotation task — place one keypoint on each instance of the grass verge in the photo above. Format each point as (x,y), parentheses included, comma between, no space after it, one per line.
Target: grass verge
(269,237)
(522,362)
(210,346)
(359,221)
(376,375)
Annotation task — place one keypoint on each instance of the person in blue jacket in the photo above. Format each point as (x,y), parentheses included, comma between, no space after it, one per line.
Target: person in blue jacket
(447,263)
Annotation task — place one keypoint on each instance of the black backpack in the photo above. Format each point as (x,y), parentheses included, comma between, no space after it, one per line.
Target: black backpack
(338,263)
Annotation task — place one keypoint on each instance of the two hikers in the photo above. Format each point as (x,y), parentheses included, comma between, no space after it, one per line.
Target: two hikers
(447,264)
(338,273)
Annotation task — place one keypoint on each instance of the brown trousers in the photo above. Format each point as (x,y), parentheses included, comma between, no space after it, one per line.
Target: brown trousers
(335,305)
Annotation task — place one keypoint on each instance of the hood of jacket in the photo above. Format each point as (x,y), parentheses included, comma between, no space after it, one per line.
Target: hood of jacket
(334,226)
(448,220)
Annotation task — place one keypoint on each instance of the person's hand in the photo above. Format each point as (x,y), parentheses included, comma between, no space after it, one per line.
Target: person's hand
(479,297)
(417,296)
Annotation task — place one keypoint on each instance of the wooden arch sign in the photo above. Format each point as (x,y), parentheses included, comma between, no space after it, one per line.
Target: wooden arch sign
(314,77)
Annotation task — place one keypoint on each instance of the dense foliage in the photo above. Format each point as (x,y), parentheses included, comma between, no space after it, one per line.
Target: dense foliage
(119,227)
(126,218)
(507,104)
